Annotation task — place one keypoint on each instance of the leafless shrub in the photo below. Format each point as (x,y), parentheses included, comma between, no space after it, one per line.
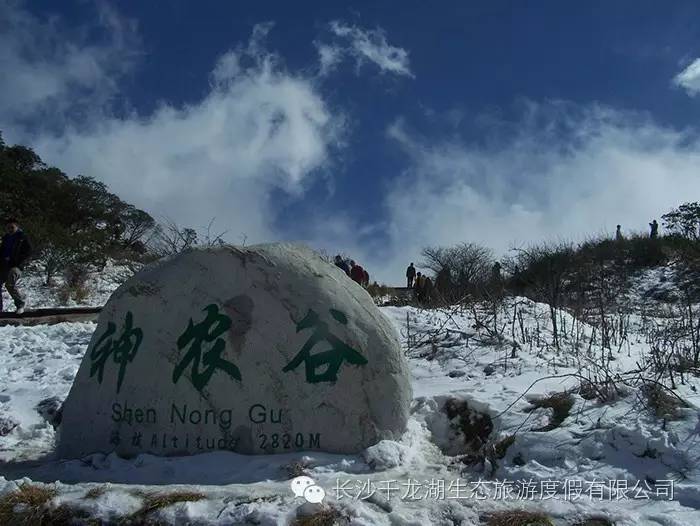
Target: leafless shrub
(545,270)
(75,284)
(169,238)
(460,270)
(661,402)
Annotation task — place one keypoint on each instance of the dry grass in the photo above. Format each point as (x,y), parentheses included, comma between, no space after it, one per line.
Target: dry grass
(475,426)
(95,493)
(157,501)
(296,469)
(324,517)
(518,518)
(559,403)
(64,295)
(29,506)
(80,293)
(662,403)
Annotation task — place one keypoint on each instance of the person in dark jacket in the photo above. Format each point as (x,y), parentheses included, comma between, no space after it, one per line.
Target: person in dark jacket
(357,273)
(653,229)
(418,287)
(618,233)
(410,275)
(15,250)
(427,289)
(341,264)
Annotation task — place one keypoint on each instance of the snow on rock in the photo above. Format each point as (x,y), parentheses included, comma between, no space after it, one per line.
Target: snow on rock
(262,349)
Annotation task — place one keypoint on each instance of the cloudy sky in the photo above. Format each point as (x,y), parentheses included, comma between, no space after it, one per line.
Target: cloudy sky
(372,129)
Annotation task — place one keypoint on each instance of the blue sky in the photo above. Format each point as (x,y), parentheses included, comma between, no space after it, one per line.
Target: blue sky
(375,129)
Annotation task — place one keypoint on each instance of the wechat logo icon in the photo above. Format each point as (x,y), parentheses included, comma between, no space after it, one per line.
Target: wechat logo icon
(306,487)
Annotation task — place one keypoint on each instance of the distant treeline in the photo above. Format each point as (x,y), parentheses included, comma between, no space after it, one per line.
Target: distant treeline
(569,274)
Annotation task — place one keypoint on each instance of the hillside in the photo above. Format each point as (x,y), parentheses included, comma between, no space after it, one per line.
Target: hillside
(501,421)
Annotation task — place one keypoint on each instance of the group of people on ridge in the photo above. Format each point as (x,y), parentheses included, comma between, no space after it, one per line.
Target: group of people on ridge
(421,284)
(653,231)
(352,269)
(15,250)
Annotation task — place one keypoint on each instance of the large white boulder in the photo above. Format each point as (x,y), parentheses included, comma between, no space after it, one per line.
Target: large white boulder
(261,349)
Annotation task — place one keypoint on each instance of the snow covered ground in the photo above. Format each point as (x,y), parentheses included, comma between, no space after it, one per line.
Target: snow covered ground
(568,456)
(99,287)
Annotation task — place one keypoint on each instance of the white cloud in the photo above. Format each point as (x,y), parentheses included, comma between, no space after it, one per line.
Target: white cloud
(329,57)
(47,74)
(562,170)
(689,78)
(565,172)
(257,129)
(363,45)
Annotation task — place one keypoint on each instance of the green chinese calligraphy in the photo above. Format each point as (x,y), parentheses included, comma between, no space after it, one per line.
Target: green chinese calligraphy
(331,359)
(122,350)
(209,330)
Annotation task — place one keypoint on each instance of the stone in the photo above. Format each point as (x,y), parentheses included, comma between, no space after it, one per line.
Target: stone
(489,370)
(456,373)
(7,425)
(50,410)
(257,350)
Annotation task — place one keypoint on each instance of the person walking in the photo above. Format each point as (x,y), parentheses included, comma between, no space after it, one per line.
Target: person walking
(410,275)
(654,229)
(15,249)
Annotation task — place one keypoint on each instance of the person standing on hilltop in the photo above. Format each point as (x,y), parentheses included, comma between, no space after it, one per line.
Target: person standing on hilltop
(654,229)
(15,249)
(410,275)
(618,233)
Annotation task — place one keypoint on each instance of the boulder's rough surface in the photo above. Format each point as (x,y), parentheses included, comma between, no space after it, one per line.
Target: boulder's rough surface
(262,349)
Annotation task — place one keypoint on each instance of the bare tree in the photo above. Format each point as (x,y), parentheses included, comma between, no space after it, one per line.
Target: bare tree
(215,239)
(468,266)
(545,270)
(169,238)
